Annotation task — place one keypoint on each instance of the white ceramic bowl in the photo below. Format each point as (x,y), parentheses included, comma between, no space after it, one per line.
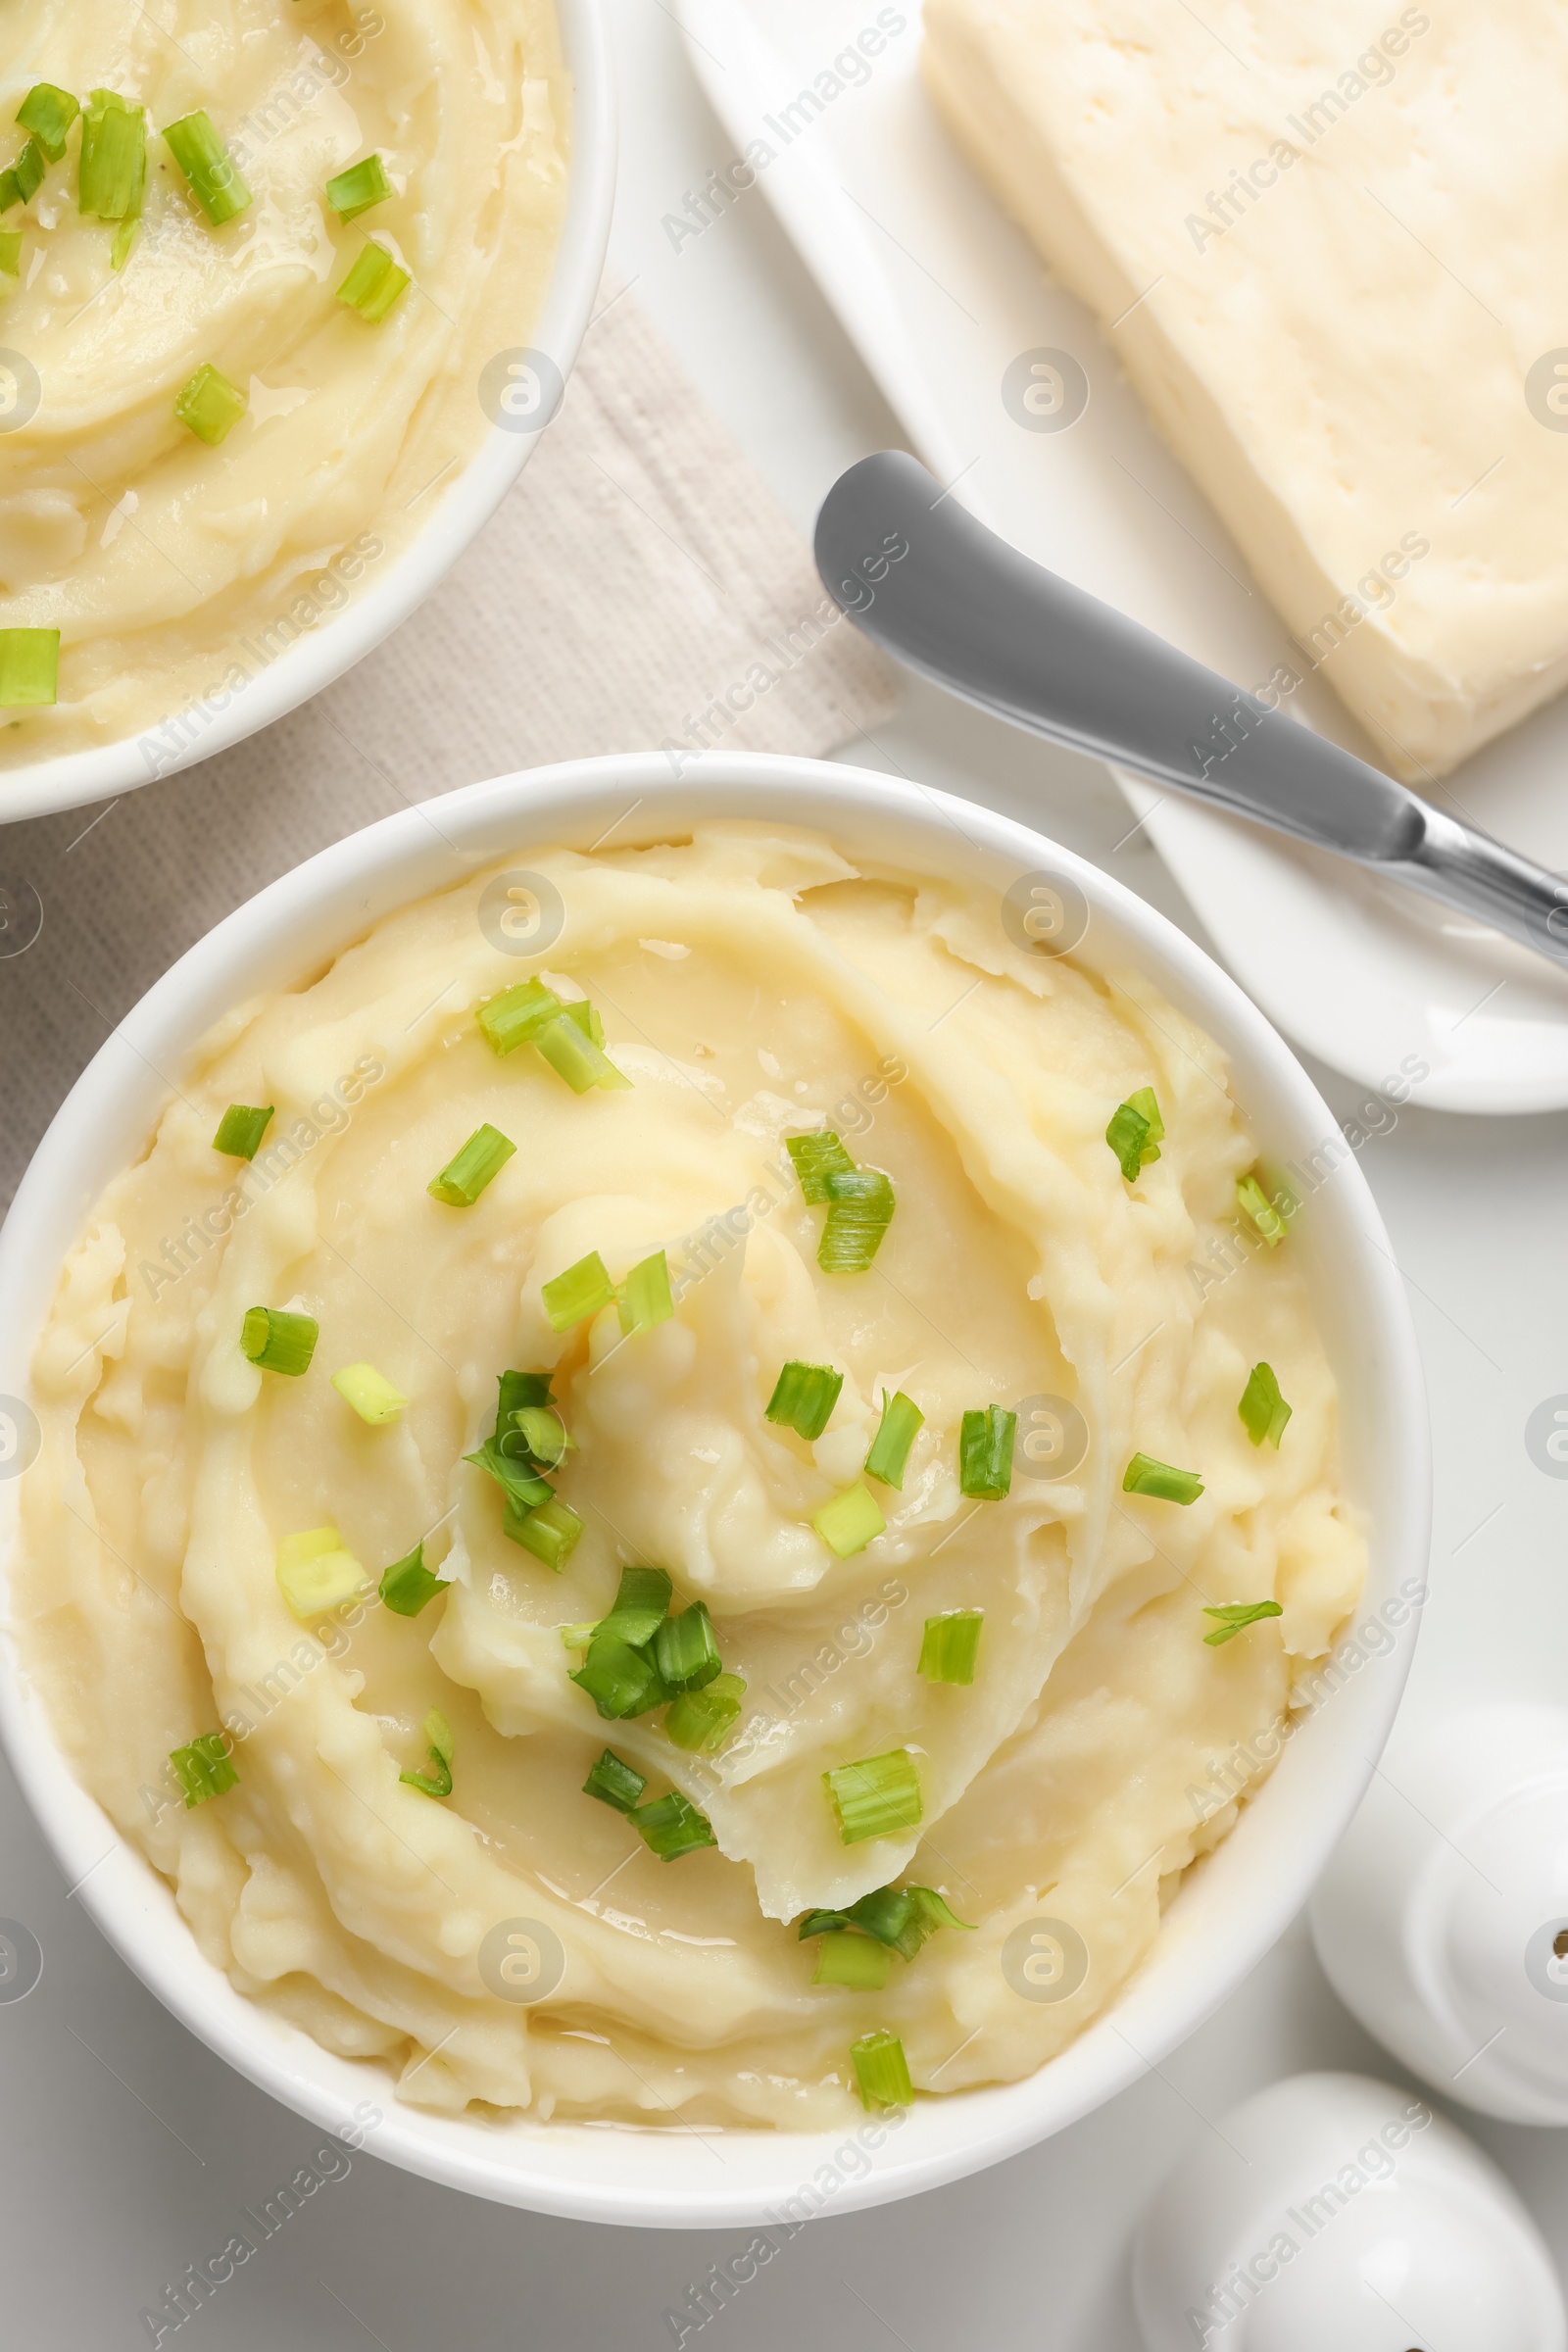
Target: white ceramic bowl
(1232,1908)
(314,659)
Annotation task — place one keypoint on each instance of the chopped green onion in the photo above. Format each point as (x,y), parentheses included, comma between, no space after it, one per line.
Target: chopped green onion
(515,1017)
(437,1782)
(672,1826)
(1263,1411)
(929,1912)
(207,164)
(373,284)
(1236,1616)
(124,239)
(479,1163)
(901,1917)
(11,252)
(551,1532)
(850,1521)
(876,1797)
(315,1574)
(241,1129)
(644,1298)
(578,1636)
(370,1392)
(881,2071)
(985,1452)
(280,1342)
(804,1397)
(572,1055)
(615,1783)
(854,1961)
(860,1212)
(204,1768)
(700,1719)
(210,404)
(902,1419)
(516,1478)
(949,1644)
(111,166)
(620,1681)
(1136,1132)
(587,1020)
(816,1158)
(641,1605)
(354,190)
(1259,1211)
(685,1652)
(1145,1476)
(30,666)
(516,1390)
(22,183)
(48,112)
(407,1585)
(583,1290)
(543,1433)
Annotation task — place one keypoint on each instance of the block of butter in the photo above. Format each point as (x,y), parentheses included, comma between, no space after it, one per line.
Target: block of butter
(1329,246)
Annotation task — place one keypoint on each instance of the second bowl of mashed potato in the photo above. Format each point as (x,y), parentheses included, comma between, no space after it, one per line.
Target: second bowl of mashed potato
(736,1470)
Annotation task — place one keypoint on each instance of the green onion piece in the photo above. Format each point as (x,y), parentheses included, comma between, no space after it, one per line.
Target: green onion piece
(551,1532)
(854,1961)
(850,1521)
(985,1452)
(241,1129)
(204,1768)
(822,1923)
(211,405)
(572,1055)
(30,666)
(315,1574)
(804,1397)
(354,190)
(886,1913)
(407,1585)
(672,1828)
(1259,1211)
(48,112)
(878,1798)
(949,1645)
(1263,1411)
(581,1290)
(928,1911)
(516,1390)
(437,1782)
(699,1720)
(1236,1616)
(1147,1107)
(111,166)
(1145,1476)
(615,1783)
(902,1419)
(208,166)
(11,252)
(899,1917)
(542,1431)
(620,1681)
(370,1392)
(685,1652)
(373,284)
(644,1298)
(124,239)
(816,1158)
(1128,1136)
(881,2071)
(516,1478)
(578,1636)
(641,1607)
(280,1342)
(860,1212)
(517,1016)
(479,1163)
(22,183)
(587,1020)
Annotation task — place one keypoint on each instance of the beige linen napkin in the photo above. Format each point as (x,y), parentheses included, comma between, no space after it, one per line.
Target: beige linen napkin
(638,588)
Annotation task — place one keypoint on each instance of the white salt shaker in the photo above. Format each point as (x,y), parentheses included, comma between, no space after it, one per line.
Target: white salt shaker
(1333,2211)
(1443,1920)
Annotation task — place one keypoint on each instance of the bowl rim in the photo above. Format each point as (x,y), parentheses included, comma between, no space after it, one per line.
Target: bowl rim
(76,779)
(1263,1871)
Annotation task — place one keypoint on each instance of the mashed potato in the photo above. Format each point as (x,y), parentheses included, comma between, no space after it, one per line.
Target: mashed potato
(176,571)
(516,1942)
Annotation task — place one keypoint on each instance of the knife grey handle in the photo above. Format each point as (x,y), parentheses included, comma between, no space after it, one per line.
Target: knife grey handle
(950,599)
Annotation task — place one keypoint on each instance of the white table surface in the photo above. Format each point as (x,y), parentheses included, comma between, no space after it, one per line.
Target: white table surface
(132,2149)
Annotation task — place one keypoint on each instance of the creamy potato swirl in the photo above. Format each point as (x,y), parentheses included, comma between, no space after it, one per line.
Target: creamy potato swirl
(753,983)
(177,572)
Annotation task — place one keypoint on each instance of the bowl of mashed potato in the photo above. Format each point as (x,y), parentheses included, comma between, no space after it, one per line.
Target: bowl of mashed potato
(285,302)
(713,1490)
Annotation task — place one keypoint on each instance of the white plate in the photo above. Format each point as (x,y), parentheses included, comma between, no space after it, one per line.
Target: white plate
(941,293)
